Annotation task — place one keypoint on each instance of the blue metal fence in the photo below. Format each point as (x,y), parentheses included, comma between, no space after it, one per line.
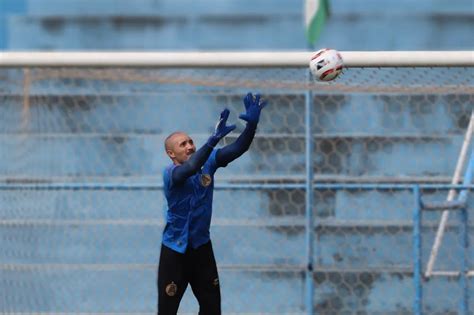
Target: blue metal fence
(461,206)
(418,207)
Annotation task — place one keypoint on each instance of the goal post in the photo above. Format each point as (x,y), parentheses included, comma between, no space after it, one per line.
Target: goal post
(233,59)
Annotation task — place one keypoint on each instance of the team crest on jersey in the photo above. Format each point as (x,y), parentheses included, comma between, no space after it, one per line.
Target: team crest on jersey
(171,289)
(206,180)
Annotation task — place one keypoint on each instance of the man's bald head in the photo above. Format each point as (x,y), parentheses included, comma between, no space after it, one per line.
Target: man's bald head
(170,138)
(179,147)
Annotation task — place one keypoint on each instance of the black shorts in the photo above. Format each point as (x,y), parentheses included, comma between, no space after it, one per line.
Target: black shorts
(196,267)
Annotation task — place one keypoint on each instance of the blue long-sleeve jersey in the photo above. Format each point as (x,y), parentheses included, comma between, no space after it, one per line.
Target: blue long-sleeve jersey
(189,191)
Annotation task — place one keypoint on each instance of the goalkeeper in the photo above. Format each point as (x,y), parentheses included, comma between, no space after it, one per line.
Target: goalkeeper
(186,252)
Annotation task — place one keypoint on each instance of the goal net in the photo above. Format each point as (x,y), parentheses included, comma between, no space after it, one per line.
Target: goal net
(81,158)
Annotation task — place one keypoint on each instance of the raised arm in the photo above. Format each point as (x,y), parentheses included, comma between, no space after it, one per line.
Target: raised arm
(197,160)
(253,107)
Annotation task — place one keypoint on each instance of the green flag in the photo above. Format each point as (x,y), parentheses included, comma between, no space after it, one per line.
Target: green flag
(315,14)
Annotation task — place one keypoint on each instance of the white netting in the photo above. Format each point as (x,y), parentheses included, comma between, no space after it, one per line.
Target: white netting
(91,243)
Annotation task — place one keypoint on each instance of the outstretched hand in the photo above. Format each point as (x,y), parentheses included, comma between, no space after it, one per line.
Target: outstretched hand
(253,107)
(221,129)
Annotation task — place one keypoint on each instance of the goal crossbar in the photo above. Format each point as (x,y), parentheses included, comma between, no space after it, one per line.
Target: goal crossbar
(233,59)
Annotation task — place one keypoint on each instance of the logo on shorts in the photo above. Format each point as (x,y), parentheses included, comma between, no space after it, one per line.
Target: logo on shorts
(206,180)
(215,282)
(171,289)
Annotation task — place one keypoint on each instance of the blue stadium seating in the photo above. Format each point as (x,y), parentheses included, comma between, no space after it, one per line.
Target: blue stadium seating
(377,256)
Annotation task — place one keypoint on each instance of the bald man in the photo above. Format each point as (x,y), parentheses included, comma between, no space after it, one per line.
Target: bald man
(186,252)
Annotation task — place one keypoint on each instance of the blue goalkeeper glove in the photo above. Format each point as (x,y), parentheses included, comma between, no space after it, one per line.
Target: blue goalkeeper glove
(221,130)
(253,107)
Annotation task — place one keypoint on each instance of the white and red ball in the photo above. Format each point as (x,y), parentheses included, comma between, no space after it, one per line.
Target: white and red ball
(326,64)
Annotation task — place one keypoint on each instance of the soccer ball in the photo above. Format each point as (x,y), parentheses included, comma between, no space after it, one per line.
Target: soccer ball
(326,64)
